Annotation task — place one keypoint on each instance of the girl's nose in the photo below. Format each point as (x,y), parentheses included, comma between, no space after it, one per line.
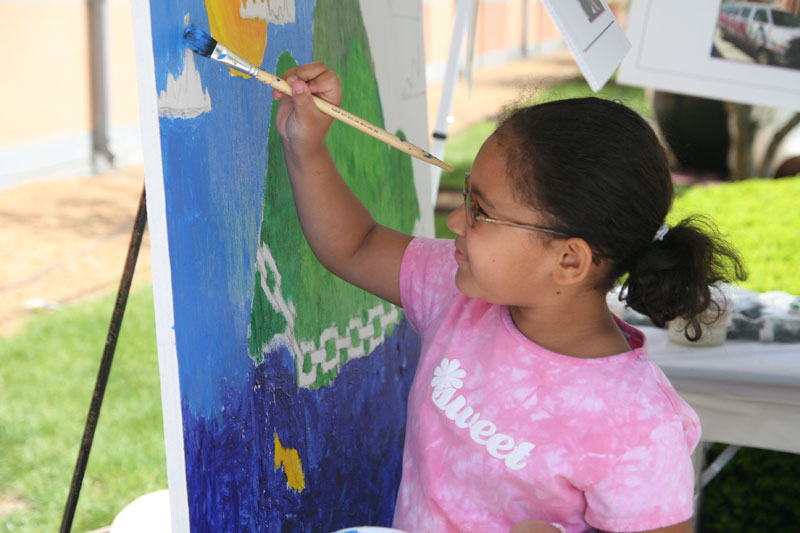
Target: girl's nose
(457,221)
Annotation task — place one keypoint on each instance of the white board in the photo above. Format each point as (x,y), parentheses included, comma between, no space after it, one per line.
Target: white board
(672,51)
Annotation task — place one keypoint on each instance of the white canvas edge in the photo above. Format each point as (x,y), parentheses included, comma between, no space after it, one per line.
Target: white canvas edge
(404,100)
(162,276)
(700,75)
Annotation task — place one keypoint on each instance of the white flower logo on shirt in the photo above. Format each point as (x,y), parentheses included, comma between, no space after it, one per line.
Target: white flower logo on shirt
(446,380)
(448,375)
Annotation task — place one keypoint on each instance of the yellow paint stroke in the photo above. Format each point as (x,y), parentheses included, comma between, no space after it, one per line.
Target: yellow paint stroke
(246,37)
(292,467)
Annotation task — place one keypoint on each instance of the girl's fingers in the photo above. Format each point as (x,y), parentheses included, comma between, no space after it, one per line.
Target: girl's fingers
(300,123)
(290,74)
(321,81)
(304,72)
(304,104)
(284,110)
(309,71)
(327,86)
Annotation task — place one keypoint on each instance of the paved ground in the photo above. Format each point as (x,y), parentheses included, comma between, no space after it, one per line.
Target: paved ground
(66,239)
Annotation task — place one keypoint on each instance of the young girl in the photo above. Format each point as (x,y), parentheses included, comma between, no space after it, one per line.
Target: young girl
(533,406)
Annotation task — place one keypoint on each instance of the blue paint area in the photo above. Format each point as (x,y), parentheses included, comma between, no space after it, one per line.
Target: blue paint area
(214,169)
(349,479)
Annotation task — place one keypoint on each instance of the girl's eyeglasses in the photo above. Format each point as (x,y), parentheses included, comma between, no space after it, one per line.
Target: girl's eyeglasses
(474,212)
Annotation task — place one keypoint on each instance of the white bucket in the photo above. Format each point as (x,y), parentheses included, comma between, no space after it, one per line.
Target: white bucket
(713,334)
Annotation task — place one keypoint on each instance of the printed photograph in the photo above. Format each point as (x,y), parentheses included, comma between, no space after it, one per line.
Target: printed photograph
(592,8)
(766,32)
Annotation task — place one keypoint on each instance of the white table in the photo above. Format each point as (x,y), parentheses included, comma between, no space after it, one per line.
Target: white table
(745,393)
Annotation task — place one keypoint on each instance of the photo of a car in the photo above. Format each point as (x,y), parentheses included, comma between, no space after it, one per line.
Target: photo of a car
(765,33)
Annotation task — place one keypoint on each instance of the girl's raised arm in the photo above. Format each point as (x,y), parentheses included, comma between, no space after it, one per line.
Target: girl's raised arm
(342,233)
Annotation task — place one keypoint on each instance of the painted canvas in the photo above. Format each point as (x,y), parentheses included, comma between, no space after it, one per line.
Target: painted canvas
(284,388)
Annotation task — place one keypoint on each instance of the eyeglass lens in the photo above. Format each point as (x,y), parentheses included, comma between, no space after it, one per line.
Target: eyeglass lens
(468,204)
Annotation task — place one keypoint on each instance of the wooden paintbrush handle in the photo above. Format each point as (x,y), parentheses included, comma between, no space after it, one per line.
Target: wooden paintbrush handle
(356,122)
(273,81)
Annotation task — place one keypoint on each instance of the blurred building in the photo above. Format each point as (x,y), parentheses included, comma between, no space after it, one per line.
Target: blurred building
(62,104)
(503,30)
(68,101)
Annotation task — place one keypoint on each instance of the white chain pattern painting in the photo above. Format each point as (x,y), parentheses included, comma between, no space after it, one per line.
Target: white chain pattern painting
(360,338)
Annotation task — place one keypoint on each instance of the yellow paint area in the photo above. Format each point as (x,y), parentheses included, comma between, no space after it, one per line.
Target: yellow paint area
(292,467)
(247,37)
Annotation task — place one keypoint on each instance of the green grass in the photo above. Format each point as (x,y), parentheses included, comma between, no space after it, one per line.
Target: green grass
(761,218)
(757,491)
(49,372)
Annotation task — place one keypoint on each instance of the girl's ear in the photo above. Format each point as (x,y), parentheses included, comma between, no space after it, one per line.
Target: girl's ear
(574,261)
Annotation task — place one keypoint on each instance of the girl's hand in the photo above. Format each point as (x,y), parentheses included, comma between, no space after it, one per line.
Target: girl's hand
(535,526)
(301,125)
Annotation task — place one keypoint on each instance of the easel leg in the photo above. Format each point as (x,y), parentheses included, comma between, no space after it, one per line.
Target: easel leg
(463,10)
(105,365)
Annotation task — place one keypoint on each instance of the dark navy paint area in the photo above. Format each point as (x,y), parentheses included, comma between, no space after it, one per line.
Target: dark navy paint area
(342,433)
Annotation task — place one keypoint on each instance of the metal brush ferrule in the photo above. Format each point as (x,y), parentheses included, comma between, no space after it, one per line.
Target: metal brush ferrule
(223,55)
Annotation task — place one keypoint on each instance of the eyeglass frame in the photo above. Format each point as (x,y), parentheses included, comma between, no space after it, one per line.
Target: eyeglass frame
(471,207)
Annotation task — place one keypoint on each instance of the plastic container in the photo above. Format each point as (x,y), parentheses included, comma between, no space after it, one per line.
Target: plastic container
(713,334)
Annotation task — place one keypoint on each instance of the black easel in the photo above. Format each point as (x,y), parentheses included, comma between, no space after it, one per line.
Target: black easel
(105,365)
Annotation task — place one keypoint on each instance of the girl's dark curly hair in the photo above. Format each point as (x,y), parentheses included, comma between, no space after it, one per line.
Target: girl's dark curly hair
(597,170)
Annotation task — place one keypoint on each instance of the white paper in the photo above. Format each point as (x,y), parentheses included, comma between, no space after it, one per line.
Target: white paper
(592,34)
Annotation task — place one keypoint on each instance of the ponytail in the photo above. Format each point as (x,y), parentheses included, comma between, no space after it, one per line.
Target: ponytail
(673,277)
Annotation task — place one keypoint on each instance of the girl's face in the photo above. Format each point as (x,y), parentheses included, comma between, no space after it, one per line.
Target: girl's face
(499,263)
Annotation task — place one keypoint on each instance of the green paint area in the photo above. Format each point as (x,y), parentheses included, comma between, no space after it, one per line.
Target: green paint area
(306,302)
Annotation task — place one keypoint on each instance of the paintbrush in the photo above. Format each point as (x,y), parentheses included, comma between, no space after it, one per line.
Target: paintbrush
(203,44)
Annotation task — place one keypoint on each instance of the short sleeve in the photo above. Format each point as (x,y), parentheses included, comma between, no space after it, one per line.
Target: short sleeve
(650,486)
(427,279)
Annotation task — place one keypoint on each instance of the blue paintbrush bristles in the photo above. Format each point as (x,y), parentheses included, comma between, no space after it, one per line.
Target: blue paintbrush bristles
(199,41)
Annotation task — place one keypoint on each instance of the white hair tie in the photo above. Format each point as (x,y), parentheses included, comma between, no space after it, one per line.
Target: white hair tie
(661,233)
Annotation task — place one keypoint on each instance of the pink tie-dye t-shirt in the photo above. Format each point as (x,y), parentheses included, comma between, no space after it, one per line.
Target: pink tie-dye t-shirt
(501,430)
